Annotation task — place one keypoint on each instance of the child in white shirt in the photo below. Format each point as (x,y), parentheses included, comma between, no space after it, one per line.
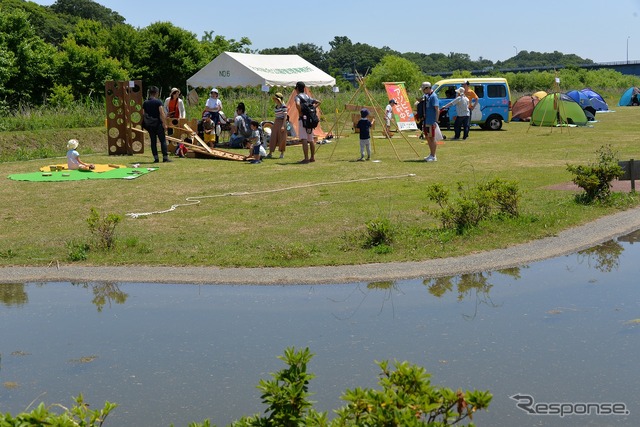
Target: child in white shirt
(73,158)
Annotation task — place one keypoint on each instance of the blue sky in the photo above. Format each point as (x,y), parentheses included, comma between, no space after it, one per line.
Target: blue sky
(603,31)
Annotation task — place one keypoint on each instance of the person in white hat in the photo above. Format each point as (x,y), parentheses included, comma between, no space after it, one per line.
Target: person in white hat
(73,158)
(213,107)
(431,112)
(462,113)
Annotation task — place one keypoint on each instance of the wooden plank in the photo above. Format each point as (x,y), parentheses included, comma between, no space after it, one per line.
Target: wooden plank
(215,152)
(197,138)
(204,148)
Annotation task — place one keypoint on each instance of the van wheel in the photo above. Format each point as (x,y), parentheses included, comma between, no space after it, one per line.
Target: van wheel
(493,123)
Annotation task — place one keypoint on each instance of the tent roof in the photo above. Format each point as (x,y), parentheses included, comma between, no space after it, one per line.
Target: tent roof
(627,96)
(232,69)
(581,98)
(523,107)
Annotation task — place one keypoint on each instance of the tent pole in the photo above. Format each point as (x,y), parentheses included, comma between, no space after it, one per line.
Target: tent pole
(372,101)
(339,117)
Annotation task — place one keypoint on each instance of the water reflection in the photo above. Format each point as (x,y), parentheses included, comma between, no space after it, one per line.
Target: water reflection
(604,257)
(104,293)
(181,353)
(466,285)
(360,295)
(13,294)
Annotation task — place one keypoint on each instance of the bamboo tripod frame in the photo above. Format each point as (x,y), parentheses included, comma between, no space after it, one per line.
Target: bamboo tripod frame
(362,87)
(558,109)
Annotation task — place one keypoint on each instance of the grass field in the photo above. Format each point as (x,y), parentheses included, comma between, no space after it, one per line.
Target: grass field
(280,213)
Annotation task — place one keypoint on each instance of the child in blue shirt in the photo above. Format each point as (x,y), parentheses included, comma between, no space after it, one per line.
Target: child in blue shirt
(365,135)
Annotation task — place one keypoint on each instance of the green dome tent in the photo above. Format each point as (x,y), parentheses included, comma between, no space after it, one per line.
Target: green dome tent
(558,109)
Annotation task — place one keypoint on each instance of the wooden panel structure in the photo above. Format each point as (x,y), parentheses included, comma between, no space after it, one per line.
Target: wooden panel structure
(124,112)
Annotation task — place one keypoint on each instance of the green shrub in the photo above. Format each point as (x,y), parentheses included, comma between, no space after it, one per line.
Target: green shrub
(103,229)
(595,178)
(43,416)
(407,398)
(379,232)
(286,395)
(475,204)
(61,96)
(77,251)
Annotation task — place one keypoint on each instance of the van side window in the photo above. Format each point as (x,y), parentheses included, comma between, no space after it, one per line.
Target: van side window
(479,90)
(446,92)
(496,91)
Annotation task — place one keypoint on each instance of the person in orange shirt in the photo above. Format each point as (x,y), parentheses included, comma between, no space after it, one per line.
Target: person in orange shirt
(174,106)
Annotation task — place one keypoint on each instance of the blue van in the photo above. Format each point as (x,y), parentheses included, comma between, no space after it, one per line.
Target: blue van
(494,98)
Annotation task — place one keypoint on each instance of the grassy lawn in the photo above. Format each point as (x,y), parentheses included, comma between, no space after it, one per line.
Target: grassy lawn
(280,213)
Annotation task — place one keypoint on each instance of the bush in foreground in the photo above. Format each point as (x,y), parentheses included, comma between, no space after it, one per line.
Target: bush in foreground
(406,398)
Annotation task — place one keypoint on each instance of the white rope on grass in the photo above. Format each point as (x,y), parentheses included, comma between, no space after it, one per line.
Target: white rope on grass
(194,200)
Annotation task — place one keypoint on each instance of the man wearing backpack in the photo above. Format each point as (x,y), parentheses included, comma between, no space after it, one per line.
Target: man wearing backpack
(242,128)
(305,129)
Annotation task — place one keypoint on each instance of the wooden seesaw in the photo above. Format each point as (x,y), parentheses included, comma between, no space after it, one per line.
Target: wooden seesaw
(200,149)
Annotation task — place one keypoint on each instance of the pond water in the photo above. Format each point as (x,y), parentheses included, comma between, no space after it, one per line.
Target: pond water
(561,331)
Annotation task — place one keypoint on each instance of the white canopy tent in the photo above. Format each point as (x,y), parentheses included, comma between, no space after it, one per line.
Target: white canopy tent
(231,69)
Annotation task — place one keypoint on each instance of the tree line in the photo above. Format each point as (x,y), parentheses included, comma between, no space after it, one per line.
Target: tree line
(56,54)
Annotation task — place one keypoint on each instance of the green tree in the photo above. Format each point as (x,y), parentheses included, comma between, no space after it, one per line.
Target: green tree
(309,51)
(395,69)
(85,69)
(214,46)
(123,44)
(51,26)
(344,56)
(88,9)
(167,55)
(25,64)
(90,33)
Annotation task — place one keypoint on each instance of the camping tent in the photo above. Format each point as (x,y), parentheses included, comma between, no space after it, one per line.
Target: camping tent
(585,102)
(540,94)
(557,109)
(597,101)
(630,97)
(523,107)
(232,69)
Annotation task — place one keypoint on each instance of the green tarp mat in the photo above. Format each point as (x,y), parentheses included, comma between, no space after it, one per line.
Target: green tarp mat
(76,175)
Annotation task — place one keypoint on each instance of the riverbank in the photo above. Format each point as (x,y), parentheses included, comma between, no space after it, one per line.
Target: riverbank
(565,242)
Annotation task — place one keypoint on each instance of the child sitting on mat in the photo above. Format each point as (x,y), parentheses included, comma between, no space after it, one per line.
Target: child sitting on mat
(73,158)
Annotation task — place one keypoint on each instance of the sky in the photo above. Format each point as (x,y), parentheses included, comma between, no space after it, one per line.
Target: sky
(600,30)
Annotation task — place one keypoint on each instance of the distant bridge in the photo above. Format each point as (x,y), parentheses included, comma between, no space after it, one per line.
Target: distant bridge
(626,67)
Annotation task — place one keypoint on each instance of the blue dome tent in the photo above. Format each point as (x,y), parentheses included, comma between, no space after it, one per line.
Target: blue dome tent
(597,101)
(630,97)
(585,103)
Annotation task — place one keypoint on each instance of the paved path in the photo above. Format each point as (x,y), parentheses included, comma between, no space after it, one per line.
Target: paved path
(566,242)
